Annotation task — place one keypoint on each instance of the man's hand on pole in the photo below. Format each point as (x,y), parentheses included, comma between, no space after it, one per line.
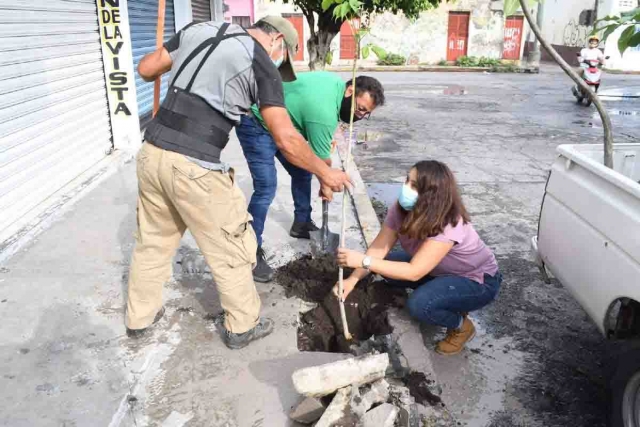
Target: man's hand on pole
(325,193)
(296,149)
(335,180)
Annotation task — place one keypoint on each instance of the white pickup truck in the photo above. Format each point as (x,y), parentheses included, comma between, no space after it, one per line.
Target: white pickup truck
(589,239)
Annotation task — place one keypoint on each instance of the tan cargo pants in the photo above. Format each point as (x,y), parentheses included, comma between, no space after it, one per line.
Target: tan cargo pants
(175,194)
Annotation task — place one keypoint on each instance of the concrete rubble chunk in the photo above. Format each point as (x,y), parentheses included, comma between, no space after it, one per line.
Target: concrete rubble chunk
(338,409)
(356,405)
(400,395)
(435,416)
(377,393)
(306,306)
(382,416)
(308,411)
(317,381)
(409,416)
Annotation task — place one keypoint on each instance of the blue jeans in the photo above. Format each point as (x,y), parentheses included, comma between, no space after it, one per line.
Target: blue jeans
(260,150)
(441,300)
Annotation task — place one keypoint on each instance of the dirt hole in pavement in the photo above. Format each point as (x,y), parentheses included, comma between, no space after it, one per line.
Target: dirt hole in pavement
(320,329)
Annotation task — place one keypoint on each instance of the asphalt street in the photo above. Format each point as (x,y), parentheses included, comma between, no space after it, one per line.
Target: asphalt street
(539,360)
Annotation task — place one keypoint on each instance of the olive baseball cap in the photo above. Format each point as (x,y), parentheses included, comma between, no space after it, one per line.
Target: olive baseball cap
(286,28)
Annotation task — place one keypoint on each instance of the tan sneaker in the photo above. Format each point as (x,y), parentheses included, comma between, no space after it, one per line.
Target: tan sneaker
(456,338)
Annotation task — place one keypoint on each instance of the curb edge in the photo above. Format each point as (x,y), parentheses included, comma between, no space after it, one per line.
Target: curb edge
(365,214)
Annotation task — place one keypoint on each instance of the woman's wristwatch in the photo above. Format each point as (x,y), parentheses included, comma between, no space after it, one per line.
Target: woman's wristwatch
(366,263)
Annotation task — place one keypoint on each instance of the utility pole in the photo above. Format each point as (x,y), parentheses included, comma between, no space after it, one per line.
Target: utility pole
(535,54)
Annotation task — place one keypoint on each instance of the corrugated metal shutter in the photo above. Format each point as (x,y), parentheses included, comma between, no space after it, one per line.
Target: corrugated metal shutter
(143,17)
(54,117)
(201,10)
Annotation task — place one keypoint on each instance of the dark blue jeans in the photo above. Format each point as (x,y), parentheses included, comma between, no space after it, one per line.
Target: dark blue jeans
(260,150)
(441,300)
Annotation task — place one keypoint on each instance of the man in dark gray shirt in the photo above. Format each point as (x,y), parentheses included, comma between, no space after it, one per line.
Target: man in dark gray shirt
(218,70)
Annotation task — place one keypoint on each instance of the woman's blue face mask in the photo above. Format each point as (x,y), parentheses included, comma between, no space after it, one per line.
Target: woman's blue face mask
(408,197)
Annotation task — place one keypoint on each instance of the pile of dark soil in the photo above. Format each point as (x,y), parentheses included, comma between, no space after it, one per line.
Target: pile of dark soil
(366,310)
(307,278)
(420,388)
(312,279)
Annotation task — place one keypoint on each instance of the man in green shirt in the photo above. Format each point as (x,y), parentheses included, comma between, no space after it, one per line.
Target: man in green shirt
(316,102)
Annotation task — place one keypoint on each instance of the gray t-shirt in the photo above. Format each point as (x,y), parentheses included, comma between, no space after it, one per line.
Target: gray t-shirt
(238,74)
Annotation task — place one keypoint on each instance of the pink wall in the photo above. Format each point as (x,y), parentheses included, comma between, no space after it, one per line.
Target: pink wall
(239,8)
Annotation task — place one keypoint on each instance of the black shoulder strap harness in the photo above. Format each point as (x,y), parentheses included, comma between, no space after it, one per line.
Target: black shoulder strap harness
(212,43)
(185,122)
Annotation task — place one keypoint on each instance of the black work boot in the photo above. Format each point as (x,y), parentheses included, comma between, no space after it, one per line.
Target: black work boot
(139,333)
(237,341)
(300,230)
(262,273)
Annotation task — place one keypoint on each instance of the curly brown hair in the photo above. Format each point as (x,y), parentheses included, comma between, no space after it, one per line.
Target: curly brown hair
(439,202)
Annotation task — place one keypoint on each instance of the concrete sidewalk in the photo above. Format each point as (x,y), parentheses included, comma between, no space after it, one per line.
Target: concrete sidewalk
(65,359)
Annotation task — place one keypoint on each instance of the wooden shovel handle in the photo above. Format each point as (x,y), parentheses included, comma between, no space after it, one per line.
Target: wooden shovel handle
(159,42)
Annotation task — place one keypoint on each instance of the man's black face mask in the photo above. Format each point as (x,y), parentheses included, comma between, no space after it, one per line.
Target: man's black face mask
(345,111)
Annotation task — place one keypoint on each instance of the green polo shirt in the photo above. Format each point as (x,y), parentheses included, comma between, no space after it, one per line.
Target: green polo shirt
(313,101)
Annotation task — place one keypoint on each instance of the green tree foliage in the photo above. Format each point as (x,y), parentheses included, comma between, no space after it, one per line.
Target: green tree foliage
(630,36)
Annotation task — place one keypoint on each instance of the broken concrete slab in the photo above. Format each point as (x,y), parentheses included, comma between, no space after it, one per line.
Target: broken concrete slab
(408,416)
(356,405)
(435,416)
(400,395)
(378,393)
(325,379)
(308,411)
(382,416)
(337,410)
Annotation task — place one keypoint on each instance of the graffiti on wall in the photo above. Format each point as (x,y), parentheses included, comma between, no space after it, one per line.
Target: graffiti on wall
(512,38)
(575,35)
(625,5)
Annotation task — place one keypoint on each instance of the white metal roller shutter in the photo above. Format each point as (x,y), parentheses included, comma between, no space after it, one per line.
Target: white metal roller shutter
(54,118)
(143,19)
(201,10)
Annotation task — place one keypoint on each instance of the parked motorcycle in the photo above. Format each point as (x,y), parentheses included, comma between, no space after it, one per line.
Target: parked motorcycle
(592,75)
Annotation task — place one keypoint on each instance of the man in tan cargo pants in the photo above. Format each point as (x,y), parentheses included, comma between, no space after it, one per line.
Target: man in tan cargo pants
(218,71)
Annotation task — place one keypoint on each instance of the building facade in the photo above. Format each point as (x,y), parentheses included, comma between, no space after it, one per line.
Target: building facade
(70,99)
(456,28)
(240,12)
(567,24)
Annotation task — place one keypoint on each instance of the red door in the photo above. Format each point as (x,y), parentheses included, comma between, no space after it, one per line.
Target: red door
(458,37)
(298,24)
(512,37)
(347,40)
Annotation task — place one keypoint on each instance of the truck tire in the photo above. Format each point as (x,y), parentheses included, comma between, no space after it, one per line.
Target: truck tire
(624,387)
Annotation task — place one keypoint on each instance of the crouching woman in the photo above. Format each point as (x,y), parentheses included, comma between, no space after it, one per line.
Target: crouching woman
(444,260)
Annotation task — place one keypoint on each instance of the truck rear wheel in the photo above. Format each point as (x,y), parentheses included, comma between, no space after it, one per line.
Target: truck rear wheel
(625,390)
